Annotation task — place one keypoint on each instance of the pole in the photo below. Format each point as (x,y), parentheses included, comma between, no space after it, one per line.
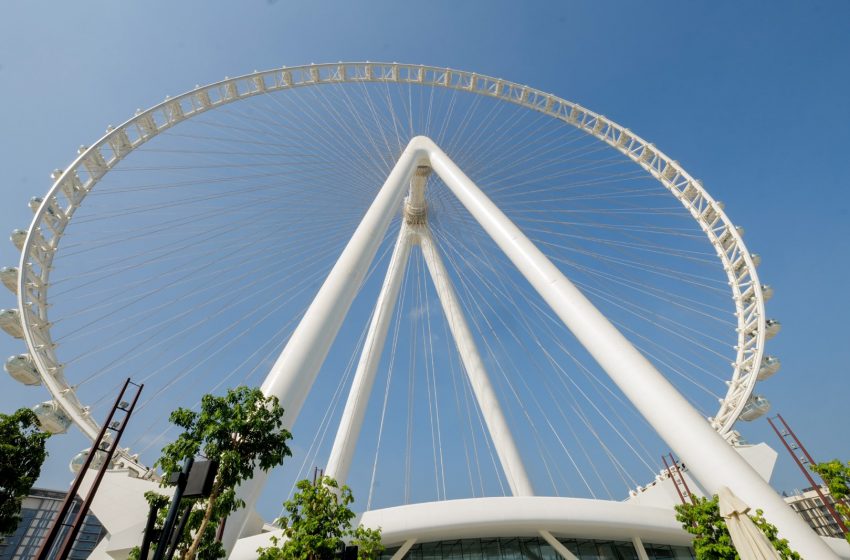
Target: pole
(171,518)
(808,458)
(351,421)
(49,540)
(476,372)
(712,460)
(684,481)
(806,472)
(672,479)
(796,439)
(149,528)
(175,538)
(295,370)
(65,550)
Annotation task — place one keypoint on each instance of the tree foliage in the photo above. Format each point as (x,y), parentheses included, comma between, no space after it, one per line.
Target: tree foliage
(837,478)
(318,521)
(243,431)
(711,535)
(772,533)
(22,452)
(368,542)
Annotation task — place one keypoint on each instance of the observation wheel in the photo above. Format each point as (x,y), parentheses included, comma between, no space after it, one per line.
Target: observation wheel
(184,247)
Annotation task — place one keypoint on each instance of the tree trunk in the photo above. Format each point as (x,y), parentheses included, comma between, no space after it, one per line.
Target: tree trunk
(196,542)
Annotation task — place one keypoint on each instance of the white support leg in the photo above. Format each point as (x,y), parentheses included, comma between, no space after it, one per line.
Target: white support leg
(563,551)
(294,372)
(351,421)
(639,549)
(712,460)
(400,553)
(500,434)
(355,407)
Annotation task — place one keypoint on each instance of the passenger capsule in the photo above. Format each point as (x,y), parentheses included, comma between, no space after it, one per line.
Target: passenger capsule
(756,258)
(740,230)
(769,366)
(772,328)
(51,417)
(9,277)
(767,291)
(10,321)
(80,459)
(18,237)
(756,407)
(22,368)
(36,202)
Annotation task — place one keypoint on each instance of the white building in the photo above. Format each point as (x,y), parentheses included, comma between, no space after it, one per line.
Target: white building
(643,527)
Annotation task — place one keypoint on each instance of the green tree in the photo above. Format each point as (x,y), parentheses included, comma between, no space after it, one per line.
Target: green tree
(368,542)
(772,533)
(711,536)
(242,430)
(22,452)
(837,478)
(318,521)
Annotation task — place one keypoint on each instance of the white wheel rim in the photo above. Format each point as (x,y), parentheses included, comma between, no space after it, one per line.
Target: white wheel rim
(68,190)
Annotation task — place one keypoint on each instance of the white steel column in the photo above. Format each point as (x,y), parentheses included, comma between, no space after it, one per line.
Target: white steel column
(503,440)
(351,421)
(641,551)
(563,551)
(295,370)
(712,460)
(400,553)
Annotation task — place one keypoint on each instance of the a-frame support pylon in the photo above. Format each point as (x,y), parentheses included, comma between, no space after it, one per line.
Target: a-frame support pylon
(342,452)
(713,462)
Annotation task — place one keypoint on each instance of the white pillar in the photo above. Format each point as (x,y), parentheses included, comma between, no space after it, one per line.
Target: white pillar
(712,460)
(563,551)
(488,402)
(399,554)
(295,370)
(557,545)
(351,421)
(641,551)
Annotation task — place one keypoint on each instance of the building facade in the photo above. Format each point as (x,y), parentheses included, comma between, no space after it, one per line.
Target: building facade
(536,548)
(38,512)
(810,507)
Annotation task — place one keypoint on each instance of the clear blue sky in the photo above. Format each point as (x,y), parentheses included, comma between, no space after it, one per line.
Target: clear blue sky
(750,98)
